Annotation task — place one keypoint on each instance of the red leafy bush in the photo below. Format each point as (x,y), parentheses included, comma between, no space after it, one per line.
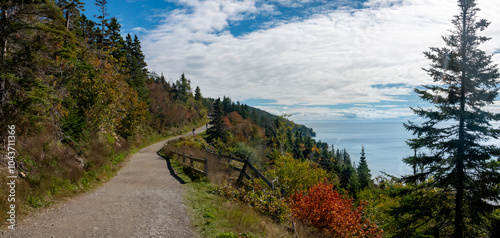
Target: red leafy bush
(325,209)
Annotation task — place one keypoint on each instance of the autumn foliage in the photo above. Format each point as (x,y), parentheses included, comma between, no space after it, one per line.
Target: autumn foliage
(243,130)
(324,208)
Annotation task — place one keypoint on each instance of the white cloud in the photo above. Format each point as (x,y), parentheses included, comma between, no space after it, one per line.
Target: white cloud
(326,59)
(292,3)
(301,113)
(138,29)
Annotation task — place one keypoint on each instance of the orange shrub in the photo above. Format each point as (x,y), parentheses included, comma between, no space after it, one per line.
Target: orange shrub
(325,209)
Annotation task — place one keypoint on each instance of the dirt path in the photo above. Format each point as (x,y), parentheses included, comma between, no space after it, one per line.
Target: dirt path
(142,200)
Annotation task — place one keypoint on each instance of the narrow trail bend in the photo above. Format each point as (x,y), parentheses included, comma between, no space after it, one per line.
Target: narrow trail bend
(142,200)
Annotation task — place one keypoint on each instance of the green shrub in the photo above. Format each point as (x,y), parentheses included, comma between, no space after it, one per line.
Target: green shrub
(35,201)
(118,158)
(267,202)
(58,185)
(192,142)
(294,175)
(227,235)
(87,178)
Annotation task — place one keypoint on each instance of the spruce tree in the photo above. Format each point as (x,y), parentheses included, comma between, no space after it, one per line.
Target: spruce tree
(103,13)
(136,67)
(115,43)
(364,176)
(88,32)
(197,94)
(460,164)
(71,10)
(182,89)
(218,127)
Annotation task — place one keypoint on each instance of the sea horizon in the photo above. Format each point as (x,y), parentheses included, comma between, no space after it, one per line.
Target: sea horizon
(384,142)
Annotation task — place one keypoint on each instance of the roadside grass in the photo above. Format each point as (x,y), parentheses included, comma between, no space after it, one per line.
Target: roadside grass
(214,216)
(54,186)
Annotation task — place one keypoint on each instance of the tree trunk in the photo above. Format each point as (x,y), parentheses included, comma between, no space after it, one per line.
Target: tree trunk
(459,197)
(67,19)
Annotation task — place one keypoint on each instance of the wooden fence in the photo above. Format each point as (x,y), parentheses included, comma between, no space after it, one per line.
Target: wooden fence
(243,171)
(191,162)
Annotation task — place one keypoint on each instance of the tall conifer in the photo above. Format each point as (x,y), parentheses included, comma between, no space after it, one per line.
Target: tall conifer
(462,166)
(103,13)
(365,178)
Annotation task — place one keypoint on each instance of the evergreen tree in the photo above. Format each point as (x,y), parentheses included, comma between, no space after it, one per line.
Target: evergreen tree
(182,89)
(136,67)
(345,165)
(88,32)
(244,112)
(365,178)
(346,158)
(115,43)
(197,94)
(460,162)
(227,105)
(71,9)
(137,51)
(218,127)
(354,183)
(346,175)
(103,13)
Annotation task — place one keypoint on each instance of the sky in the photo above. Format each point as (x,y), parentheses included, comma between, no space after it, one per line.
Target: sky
(314,59)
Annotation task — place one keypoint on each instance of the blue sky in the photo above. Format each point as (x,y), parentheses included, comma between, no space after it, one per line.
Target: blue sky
(315,59)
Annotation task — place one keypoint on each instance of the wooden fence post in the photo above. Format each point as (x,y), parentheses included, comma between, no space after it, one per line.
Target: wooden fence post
(242,174)
(206,166)
(260,175)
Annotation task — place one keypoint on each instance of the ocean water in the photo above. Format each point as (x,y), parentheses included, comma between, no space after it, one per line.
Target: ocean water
(384,142)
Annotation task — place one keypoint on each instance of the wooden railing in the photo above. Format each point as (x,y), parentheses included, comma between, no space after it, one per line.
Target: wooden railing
(243,171)
(189,161)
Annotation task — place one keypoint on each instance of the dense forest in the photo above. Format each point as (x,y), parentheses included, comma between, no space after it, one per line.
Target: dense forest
(81,99)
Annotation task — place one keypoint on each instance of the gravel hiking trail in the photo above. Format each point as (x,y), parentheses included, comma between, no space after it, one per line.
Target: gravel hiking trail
(142,200)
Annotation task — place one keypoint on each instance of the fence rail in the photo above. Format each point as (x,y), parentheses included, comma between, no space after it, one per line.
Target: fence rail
(257,172)
(193,159)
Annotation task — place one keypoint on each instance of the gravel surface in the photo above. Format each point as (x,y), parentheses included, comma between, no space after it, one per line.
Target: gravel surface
(142,200)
